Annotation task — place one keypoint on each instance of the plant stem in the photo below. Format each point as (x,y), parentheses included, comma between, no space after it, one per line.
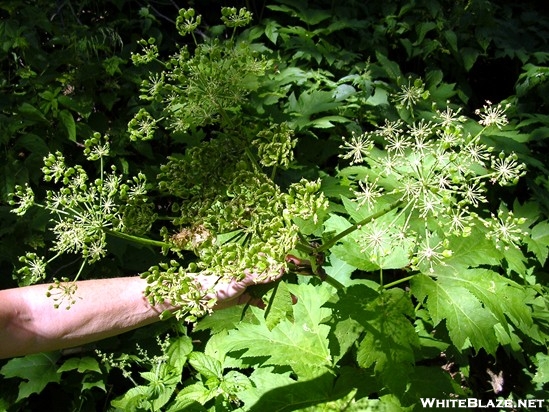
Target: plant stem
(137,239)
(397,282)
(333,282)
(357,225)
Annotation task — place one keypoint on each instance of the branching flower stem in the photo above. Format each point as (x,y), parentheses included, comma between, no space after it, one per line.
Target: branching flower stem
(397,282)
(331,242)
(137,239)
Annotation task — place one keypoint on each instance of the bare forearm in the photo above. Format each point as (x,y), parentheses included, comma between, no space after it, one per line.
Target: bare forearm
(103,308)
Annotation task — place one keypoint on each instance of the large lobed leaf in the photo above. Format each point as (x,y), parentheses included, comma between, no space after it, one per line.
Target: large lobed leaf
(301,344)
(473,302)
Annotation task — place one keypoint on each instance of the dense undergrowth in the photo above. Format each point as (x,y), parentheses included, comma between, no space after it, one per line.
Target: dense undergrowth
(388,157)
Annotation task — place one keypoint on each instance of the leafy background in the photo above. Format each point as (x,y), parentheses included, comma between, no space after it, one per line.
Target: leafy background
(478,328)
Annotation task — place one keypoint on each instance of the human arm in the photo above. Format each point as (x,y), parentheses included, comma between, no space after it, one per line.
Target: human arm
(30,323)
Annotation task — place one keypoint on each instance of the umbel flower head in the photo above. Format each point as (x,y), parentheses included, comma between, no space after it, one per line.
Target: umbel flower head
(81,210)
(440,169)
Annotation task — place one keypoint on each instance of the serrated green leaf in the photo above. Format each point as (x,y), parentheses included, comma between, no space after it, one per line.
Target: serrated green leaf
(465,255)
(467,320)
(196,392)
(37,371)
(178,352)
(235,382)
(278,393)
(301,345)
(220,320)
(206,365)
(340,270)
(132,399)
(390,67)
(390,339)
(503,297)
(280,305)
(345,334)
(542,368)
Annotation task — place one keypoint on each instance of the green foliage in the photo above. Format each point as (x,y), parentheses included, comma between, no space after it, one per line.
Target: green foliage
(352,147)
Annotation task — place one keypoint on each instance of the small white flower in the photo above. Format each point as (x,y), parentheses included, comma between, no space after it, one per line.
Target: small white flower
(357,147)
(369,191)
(493,115)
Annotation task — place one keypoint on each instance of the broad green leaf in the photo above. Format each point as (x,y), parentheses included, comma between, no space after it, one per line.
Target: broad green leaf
(310,304)
(271,30)
(390,67)
(81,365)
(431,382)
(348,250)
(185,404)
(235,382)
(90,381)
(132,399)
(32,113)
(36,371)
(220,320)
(538,241)
(380,97)
(33,143)
(467,320)
(68,123)
(340,270)
(265,380)
(196,392)
(344,334)
(178,352)
(451,38)
(503,297)
(206,365)
(343,91)
(390,339)
(425,27)
(301,344)
(279,305)
(465,255)
(542,369)
(469,56)
(279,393)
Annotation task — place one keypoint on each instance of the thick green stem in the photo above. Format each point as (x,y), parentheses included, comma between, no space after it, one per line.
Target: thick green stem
(333,282)
(397,282)
(331,242)
(137,239)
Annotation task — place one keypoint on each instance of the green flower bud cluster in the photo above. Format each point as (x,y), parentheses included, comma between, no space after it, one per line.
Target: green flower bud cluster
(187,21)
(275,146)
(204,88)
(142,126)
(148,54)
(304,201)
(170,282)
(505,230)
(33,271)
(23,198)
(83,210)
(96,147)
(62,291)
(233,18)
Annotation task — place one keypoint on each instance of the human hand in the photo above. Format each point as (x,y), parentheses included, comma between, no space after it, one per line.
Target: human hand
(233,292)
